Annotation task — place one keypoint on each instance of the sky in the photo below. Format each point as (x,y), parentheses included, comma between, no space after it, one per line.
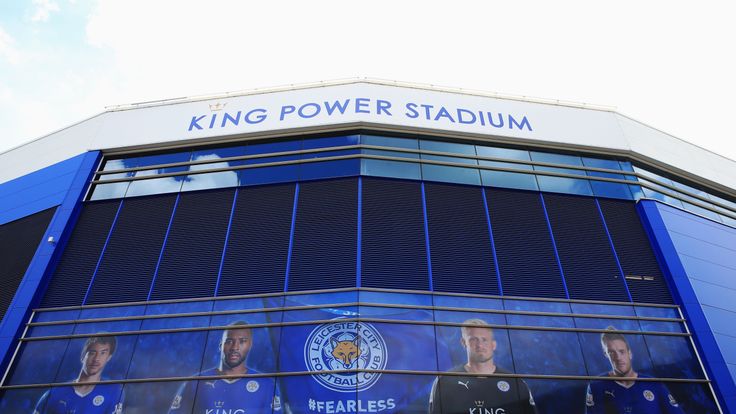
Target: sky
(670,64)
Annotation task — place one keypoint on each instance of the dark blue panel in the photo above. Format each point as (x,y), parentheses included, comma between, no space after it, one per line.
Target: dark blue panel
(325,236)
(130,258)
(460,245)
(394,251)
(526,257)
(69,283)
(38,190)
(589,263)
(645,280)
(275,174)
(19,241)
(255,259)
(191,259)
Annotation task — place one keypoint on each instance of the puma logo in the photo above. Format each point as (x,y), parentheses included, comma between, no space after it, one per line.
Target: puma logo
(610,393)
(347,352)
(464,384)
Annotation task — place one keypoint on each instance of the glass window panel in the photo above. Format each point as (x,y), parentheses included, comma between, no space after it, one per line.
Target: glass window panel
(241,349)
(263,302)
(110,326)
(23,400)
(607,189)
(564,185)
(254,395)
(320,298)
(155,397)
(108,356)
(50,330)
(673,357)
(38,362)
(605,323)
(458,175)
(467,309)
(275,174)
(402,342)
(451,147)
(118,164)
(626,166)
(396,393)
(597,357)
(649,193)
(558,396)
(180,321)
(689,189)
(601,309)
(701,211)
(636,192)
(692,398)
(512,154)
(310,143)
(392,313)
(330,169)
(652,175)
(172,354)
(539,306)
(53,316)
(467,302)
(158,159)
(305,394)
(214,180)
(112,190)
(395,298)
(730,204)
(555,158)
(601,163)
(728,220)
(506,179)
(561,355)
(656,312)
(154,185)
(394,169)
(214,154)
(391,142)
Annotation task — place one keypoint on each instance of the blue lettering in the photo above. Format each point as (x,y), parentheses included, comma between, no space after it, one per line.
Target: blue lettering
(443,113)
(254,119)
(304,114)
(460,112)
(285,110)
(231,119)
(194,122)
(500,120)
(336,105)
(411,110)
(360,104)
(426,109)
(524,121)
(383,106)
(212,121)
(482,118)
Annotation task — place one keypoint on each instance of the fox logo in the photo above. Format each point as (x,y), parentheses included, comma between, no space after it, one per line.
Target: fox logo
(346,352)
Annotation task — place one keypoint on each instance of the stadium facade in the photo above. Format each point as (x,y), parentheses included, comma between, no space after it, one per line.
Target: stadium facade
(365,246)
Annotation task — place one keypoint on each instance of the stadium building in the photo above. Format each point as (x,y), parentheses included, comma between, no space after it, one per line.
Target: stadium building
(366,246)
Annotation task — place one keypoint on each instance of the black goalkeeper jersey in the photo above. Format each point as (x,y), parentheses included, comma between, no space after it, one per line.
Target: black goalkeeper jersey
(480,395)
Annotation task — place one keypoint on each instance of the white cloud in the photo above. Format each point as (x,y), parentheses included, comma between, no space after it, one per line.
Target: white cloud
(43,10)
(7,48)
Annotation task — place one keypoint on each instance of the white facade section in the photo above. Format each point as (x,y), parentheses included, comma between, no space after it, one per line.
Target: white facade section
(371,104)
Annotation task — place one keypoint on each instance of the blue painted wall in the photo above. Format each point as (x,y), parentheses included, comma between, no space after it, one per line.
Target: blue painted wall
(700,256)
(38,190)
(62,185)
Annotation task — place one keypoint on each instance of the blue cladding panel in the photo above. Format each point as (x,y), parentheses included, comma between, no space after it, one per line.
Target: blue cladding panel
(634,252)
(255,258)
(460,245)
(587,260)
(191,258)
(19,241)
(394,251)
(38,190)
(325,236)
(524,249)
(77,265)
(679,239)
(129,260)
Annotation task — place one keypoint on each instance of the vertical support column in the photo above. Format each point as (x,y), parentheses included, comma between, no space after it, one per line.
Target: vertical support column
(291,237)
(613,250)
(47,255)
(554,246)
(426,238)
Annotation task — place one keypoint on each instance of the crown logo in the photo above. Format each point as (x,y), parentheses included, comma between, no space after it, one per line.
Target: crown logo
(479,403)
(217,106)
(219,404)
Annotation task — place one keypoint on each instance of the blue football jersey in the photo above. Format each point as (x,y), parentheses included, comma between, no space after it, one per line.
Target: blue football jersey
(227,396)
(643,397)
(103,399)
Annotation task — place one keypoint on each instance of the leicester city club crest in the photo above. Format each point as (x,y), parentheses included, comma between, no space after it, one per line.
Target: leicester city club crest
(345,346)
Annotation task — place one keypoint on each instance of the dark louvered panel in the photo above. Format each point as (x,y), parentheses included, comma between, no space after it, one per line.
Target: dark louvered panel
(19,240)
(130,259)
(77,265)
(588,261)
(524,249)
(394,253)
(258,246)
(191,257)
(644,277)
(460,245)
(325,236)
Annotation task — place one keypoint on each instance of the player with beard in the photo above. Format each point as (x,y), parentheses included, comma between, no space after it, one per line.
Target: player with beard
(232,395)
(625,394)
(460,394)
